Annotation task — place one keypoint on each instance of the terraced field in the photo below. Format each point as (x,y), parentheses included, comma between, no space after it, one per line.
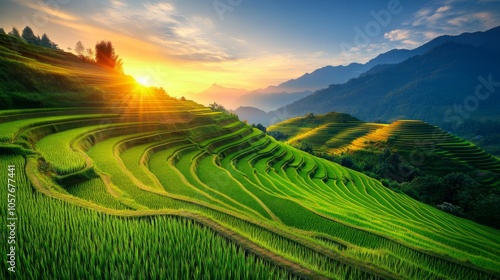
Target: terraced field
(421,139)
(173,190)
(416,139)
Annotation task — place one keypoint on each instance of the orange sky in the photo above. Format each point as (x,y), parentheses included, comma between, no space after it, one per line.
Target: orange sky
(147,60)
(186,46)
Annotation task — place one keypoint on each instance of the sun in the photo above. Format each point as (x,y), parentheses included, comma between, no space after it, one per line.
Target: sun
(143,81)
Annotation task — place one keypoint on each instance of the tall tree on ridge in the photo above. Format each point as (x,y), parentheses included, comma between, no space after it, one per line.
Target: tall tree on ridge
(79,48)
(30,37)
(105,55)
(15,33)
(45,42)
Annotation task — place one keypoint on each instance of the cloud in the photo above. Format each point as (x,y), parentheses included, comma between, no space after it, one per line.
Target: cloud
(363,53)
(453,16)
(180,37)
(398,35)
(443,9)
(487,1)
(445,17)
(486,19)
(118,3)
(405,38)
(48,10)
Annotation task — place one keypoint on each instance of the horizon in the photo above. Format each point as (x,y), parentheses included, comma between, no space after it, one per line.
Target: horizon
(241,44)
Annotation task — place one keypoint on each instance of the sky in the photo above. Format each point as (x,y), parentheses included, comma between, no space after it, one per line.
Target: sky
(187,45)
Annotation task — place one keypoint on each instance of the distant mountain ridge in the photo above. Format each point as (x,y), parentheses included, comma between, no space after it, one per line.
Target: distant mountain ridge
(291,91)
(233,98)
(443,73)
(329,75)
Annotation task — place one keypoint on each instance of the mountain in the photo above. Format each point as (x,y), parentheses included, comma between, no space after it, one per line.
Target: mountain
(323,77)
(273,97)
(438,86)
(217,93)
(252,115)
(328,75)
(234,98)
(269,101)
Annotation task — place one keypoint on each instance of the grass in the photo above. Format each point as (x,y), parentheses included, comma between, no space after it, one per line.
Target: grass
(79,243)
(335,134)
(208,193)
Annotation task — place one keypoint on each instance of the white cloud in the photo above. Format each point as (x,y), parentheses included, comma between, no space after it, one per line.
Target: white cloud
(398,35)
(161,23)
(117,3)
(445,17)
(405,38)
(443,9)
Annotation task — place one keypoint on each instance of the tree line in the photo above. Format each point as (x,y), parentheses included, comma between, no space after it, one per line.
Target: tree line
(29,37)
(103,53)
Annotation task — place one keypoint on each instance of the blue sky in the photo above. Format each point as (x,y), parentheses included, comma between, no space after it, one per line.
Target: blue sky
(185,45)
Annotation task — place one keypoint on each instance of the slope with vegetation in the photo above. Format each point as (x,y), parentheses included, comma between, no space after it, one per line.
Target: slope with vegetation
(154,187)
(408,151)
(34,76)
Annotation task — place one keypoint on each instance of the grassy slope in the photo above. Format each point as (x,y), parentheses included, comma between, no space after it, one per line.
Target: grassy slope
(294,214)
(413,139)
(33,76)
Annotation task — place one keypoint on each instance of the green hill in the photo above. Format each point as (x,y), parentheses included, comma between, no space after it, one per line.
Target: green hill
(418,141)
(33,76)
(155,187)
(329,133)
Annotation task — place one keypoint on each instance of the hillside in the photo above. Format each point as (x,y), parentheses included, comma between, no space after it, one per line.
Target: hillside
(251,115)
(33,76)
(143,185)
(409,151)
(335,133)
(425,87)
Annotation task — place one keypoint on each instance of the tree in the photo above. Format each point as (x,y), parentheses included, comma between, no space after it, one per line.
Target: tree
(105,55)
(46,42)
(487,211)
(2,31)
(217,107)
(310,115)
(278,135)
(89,56)
(30,37)
(259,127)
(305,146)
(79,48)
(15,33)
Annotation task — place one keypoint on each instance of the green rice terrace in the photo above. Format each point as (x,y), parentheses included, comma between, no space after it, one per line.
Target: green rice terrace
(171,189)
(336,133)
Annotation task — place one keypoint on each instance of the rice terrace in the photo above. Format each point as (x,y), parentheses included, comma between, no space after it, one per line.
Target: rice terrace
(105,176)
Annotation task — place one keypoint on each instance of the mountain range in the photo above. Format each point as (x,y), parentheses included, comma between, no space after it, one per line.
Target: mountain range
(232,98)
(448,80)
